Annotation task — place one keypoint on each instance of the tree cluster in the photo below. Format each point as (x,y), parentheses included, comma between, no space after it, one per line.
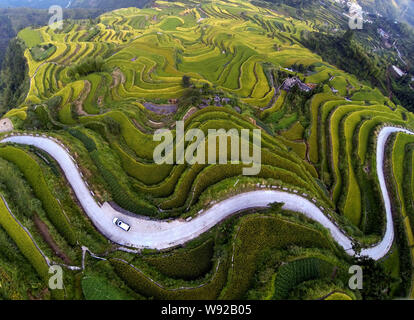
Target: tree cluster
(86,67)
(13,76)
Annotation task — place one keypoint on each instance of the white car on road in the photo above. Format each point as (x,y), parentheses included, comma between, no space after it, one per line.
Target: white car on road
(121,224)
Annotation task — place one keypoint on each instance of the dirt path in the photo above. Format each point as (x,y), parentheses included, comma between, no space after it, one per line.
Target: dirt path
(117,78)
(81,99)
(47,237)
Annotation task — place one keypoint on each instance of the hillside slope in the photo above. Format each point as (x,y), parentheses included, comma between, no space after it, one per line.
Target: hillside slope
(401,10)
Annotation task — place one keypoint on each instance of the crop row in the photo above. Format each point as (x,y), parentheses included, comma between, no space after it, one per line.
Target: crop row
(34,176)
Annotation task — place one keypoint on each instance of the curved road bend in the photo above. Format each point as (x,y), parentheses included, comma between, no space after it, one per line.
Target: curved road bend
(146,233)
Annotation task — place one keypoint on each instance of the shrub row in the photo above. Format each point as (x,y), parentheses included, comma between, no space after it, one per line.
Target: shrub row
(23,241)
(119,194)
(254,234)
(140,283)
(40,53)
(188,264)
(33,174)
(297,271)
(88,142)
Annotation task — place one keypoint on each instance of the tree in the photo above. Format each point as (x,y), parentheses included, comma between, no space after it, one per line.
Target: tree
(6,32)
(376,281)
(13,76)
(186,81)
(86,66)
(348,36)
(276,206)
(357,248)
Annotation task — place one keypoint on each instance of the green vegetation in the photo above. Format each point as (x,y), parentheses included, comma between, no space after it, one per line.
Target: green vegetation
(138,281)
(30,37)
(34,176)
(259,234)
(297,271)
(348,55)
(7,33)
(338,296)
(189,264)
(40,53)
(23,241)
(85,67)
(99,288)
(13,77)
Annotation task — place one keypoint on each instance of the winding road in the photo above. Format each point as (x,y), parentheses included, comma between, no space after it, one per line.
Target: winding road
(156,234)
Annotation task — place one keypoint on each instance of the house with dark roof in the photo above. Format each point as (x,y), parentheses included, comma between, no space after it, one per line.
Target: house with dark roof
(289,83)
